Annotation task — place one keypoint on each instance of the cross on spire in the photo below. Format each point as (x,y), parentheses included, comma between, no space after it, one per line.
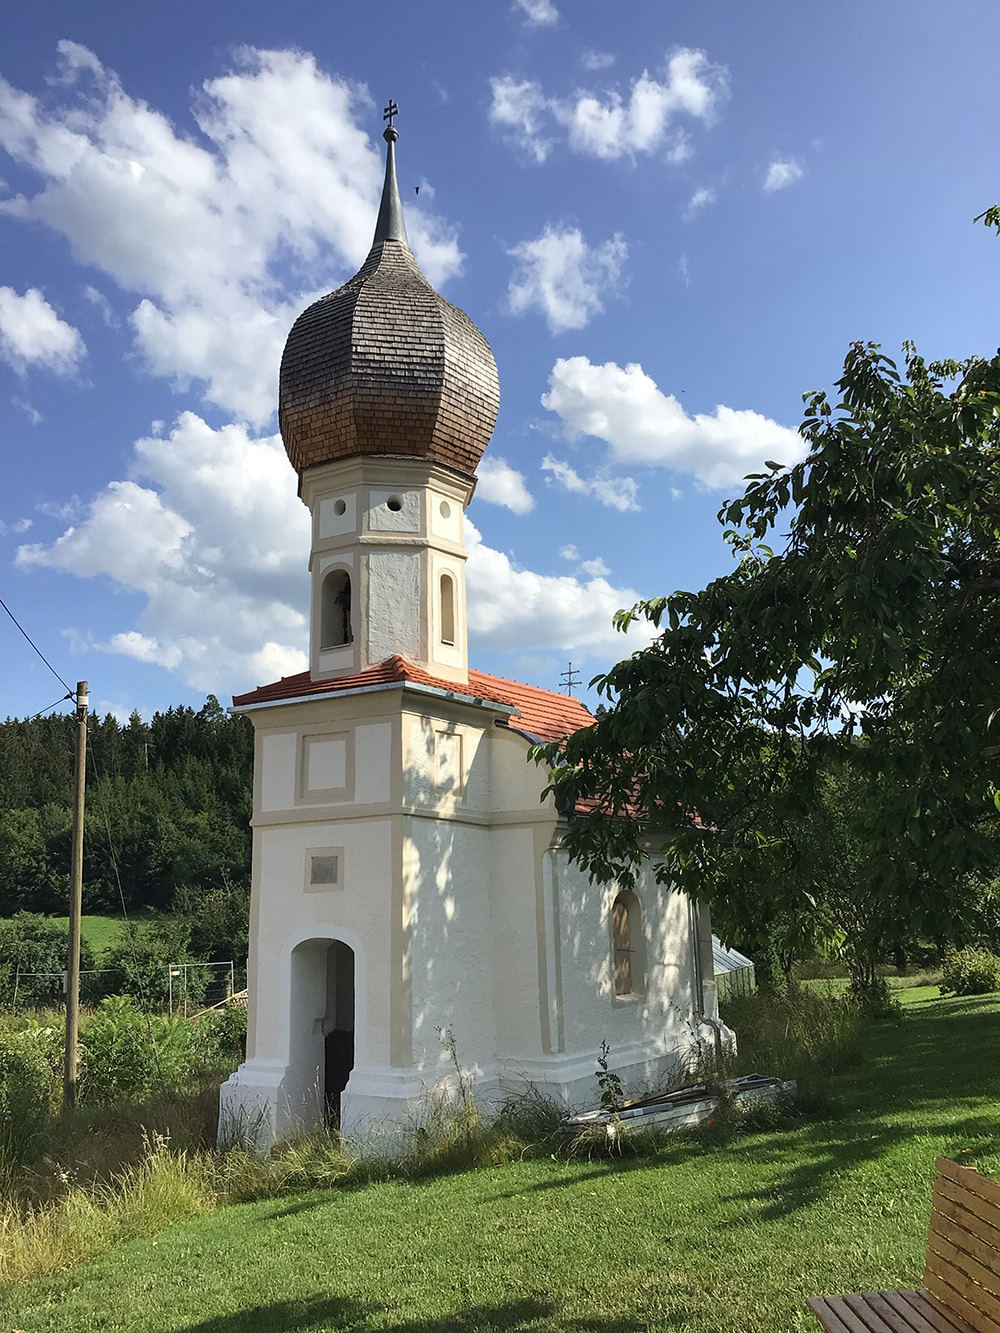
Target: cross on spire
(391,110)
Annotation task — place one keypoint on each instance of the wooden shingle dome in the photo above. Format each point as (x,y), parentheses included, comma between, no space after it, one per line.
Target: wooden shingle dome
(384,365)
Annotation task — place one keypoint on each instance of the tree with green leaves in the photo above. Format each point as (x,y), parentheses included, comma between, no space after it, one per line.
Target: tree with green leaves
(858,633)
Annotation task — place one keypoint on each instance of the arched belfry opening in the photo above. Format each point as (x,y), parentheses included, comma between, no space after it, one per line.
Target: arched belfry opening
(322,1011)
(335,610)
(447,609)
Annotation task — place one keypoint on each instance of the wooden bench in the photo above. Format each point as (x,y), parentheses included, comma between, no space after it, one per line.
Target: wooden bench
(961,1291)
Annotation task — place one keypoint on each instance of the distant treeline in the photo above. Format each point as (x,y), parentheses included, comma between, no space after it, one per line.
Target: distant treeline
(168,806)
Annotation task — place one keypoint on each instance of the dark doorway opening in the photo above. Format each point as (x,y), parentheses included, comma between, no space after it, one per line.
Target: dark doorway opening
(338,1041)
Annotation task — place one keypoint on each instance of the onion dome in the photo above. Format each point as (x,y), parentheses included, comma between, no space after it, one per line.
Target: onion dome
(384,365)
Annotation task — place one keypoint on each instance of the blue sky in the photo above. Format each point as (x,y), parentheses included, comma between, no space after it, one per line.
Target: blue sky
(669,219)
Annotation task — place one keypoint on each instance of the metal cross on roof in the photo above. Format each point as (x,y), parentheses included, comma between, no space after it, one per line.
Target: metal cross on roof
(391,110)
(570,679)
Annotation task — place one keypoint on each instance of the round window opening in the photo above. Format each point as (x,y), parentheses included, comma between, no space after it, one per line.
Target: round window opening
(340,507)
(445,510)
(394,504)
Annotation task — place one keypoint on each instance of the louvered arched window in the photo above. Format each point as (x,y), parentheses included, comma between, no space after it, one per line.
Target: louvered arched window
(627,944)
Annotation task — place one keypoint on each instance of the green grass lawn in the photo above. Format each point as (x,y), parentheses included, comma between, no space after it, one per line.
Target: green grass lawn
(100,931)
(726,1239)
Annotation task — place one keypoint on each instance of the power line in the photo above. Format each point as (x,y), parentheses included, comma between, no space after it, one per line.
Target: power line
(59,701)
(38,651)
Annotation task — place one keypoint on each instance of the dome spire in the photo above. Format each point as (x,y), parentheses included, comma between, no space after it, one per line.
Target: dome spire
(390,225)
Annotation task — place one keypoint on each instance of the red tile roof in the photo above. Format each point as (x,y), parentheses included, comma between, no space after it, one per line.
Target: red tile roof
(542,713)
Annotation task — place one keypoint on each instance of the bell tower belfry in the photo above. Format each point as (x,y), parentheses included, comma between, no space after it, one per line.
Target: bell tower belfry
(388,397)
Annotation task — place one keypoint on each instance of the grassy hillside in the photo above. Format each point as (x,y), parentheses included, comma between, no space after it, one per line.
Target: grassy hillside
(98,931)
(710,1239)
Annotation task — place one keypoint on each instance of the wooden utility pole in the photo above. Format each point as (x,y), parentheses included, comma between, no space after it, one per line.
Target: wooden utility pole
(75,901)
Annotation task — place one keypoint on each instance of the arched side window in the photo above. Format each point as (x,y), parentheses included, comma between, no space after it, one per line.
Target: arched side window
(335,610)
(626,934)
(447,609)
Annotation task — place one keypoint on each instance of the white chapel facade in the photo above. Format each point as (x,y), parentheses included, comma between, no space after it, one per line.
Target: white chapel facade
(409,894)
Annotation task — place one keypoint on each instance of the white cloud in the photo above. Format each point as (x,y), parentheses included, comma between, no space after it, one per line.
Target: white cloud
(227,230)
(18,526)
(539,13)
(606,125)
(500,484)
(519,107)
(595,568)
(208,529)
(533,668)
(781,172)
(29,410)
(542,612)
(32,334)
(640,424)
(563,277)
(615,492)
(701,198)
(597,59)
(102,305)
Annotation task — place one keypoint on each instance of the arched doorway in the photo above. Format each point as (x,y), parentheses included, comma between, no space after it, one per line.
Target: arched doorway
(322,1030)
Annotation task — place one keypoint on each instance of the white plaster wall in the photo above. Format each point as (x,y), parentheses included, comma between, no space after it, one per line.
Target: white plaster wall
(275,765)
(404,519)
(445,764)
(515,939)
(515,783)
(591,1011)
(331,524)
(452,973)
(373,758)
(393,606)
(361,905)
(446,517)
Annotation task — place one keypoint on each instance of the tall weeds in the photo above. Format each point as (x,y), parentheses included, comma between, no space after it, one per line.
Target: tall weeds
(798,1035)
(163,1187)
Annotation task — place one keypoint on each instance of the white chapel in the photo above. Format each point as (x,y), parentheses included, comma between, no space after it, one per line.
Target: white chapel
(410,898)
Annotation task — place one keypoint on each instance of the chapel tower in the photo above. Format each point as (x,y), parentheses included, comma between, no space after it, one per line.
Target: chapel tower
(411,904)
(388,397)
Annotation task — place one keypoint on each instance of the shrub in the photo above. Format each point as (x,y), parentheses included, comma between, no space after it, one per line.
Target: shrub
(220,1038)
(29,1089)
(139,963)
(971,972)
(219,922)
(34,949)
(873,997)
(128,1055)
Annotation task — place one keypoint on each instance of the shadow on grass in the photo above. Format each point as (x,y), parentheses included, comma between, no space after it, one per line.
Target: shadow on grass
(927,1074)
(336,1312)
